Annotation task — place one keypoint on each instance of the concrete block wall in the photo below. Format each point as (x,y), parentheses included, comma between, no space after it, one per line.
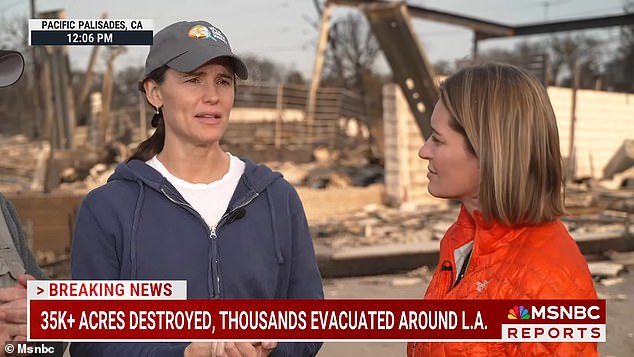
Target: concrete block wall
(405,172)
(604,121)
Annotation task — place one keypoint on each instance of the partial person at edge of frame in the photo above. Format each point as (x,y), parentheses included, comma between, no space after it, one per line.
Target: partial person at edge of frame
(17,264)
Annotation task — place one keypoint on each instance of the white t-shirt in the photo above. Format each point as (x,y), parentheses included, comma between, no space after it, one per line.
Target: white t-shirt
(211,199)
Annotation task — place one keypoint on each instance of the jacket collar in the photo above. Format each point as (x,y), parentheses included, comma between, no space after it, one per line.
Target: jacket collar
(487,235)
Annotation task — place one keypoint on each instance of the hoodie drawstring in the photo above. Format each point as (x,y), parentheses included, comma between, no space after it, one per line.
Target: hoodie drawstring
(135,227)
(276,243)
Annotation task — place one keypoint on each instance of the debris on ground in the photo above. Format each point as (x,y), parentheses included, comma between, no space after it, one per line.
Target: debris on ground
(601,270)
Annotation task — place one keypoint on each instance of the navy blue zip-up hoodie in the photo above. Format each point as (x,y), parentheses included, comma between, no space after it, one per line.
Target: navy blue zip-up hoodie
(138,226)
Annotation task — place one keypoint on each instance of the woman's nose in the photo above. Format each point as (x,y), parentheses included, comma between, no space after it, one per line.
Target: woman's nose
(424,152)
(210,94)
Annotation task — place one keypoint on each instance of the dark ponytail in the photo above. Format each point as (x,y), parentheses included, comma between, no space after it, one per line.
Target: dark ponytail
(153,145)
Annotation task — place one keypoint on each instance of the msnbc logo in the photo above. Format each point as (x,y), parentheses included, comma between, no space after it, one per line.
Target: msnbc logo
(518,312)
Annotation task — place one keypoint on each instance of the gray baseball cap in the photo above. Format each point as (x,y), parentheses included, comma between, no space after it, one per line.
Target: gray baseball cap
(11,67)
(187,45)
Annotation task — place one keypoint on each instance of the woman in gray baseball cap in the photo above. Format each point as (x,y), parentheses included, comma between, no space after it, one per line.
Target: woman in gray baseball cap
(231,228)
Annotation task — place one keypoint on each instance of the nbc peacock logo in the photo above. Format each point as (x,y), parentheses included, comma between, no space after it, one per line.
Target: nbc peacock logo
(518,313)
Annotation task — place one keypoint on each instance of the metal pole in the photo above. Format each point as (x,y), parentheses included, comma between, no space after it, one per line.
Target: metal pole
(35,89)
(85,89)
(319,63)
(279,105)
(142,120)
(474,54)
(573,120)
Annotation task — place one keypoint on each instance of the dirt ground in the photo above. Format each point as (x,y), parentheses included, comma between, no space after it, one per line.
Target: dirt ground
(620,325)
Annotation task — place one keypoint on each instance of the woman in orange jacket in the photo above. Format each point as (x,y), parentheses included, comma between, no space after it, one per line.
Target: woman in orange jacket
(495,147)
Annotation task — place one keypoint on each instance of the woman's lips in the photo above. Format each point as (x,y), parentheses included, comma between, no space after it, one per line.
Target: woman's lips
(210,118)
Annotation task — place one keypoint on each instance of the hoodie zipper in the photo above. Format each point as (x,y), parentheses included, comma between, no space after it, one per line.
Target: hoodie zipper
(213,235)
(215,274)
(214,251)
(215,262)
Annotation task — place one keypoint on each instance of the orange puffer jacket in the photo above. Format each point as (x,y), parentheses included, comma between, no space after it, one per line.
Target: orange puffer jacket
(530,262)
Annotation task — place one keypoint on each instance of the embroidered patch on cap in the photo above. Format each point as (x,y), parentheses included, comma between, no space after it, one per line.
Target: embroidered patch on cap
(200,31)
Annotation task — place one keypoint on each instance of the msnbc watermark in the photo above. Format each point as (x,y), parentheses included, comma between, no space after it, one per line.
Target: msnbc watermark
(23,348)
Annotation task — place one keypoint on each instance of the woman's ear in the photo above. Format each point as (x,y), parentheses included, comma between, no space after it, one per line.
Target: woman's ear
(152,93)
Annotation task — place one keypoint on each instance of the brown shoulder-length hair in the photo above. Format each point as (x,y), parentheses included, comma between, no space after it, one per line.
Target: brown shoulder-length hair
(509,124)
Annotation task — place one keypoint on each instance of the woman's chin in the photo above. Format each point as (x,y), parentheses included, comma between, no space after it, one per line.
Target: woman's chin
(438,192)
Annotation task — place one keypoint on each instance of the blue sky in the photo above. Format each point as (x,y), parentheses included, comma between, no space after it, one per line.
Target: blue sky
(281,30)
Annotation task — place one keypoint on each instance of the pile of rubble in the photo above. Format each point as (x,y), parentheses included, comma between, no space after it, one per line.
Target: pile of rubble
(18,161)
(332,168)
(613,269)
(412,223)
(377,225)
(327,170)
(97,176)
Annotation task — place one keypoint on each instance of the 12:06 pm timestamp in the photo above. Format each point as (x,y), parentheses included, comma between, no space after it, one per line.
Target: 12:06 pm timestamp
(85,38)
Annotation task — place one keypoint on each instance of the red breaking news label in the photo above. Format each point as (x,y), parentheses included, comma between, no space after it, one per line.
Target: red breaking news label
(289,320)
